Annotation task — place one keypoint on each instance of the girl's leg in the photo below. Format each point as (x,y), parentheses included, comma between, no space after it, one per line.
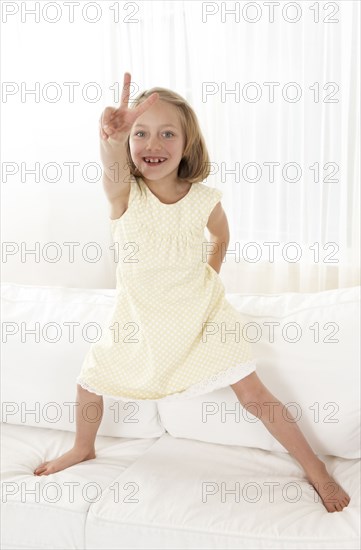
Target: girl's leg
(268,409)
(89,414)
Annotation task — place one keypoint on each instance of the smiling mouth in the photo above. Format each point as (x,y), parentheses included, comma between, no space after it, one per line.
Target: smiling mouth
(154,160)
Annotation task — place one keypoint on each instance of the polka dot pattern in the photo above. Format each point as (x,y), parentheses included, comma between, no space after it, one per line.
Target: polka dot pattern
(172,334)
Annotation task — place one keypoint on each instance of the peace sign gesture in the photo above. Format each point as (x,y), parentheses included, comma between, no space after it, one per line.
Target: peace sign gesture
(117,122)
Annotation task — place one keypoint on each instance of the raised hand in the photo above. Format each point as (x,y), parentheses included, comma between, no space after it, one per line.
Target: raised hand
(117,122)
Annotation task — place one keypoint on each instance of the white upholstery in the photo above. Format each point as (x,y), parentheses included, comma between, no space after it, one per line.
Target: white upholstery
(51,511)
(183,501)
(168,493)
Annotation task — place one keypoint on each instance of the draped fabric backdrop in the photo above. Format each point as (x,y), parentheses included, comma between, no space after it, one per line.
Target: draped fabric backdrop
(288,165)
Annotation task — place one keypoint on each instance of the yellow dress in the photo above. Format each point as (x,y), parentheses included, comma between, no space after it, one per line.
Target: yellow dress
(171,334)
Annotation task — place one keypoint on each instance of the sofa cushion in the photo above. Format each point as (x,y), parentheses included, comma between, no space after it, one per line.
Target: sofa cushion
(191,494)
(51,511)
(46,332)
(310,361)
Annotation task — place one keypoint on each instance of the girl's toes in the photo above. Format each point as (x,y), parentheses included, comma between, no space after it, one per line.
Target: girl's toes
(40,468)
(42,472)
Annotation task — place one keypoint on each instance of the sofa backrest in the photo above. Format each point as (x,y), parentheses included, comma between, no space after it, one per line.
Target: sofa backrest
(307,347)
(46,332)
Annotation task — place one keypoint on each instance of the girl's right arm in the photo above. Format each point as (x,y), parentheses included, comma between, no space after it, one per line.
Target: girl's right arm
(114,127)
(115,169)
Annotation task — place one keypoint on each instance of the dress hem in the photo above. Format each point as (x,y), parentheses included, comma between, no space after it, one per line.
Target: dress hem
(215,382)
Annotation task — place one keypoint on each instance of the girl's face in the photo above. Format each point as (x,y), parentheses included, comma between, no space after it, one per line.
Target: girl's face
(157,134)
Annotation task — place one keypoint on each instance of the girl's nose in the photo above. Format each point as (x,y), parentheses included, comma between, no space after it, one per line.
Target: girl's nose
(153,143)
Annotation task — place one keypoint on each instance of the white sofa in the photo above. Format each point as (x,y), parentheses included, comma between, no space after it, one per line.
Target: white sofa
(194,474)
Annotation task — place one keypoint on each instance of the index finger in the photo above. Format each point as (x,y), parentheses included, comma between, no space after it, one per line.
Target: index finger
(125,92)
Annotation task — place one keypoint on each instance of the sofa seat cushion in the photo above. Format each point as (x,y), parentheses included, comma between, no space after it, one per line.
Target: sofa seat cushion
(181,501)
(50,511)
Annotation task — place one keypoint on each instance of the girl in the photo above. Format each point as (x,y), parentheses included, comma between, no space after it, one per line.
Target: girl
(170,299)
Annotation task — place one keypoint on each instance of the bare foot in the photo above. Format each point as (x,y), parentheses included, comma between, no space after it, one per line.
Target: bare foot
(333,496)
(74,456)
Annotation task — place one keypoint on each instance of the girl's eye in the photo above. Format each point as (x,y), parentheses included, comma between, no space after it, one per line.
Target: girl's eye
(141,132)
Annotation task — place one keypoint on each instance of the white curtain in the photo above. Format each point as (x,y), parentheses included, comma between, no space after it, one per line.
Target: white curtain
(289,170)
(289,167)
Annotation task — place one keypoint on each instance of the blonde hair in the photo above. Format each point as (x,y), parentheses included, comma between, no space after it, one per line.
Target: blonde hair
(194,165)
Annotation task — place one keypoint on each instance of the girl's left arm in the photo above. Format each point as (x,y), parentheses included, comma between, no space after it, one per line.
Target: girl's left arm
(219,236)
